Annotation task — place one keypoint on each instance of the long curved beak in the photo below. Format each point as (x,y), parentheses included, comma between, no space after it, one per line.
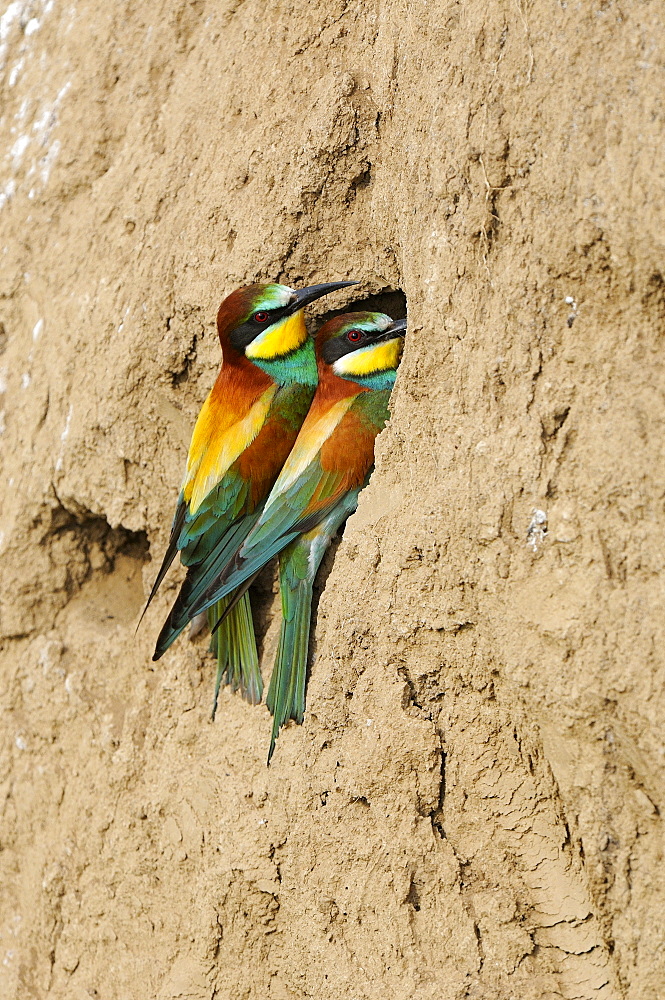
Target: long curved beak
(304,296)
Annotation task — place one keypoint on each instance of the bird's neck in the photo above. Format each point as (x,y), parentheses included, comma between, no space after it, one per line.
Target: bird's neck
(239,383)
(333,387)
(376,381)
(296,366)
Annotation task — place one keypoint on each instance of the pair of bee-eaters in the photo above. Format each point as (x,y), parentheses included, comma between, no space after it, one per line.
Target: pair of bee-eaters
(280,451)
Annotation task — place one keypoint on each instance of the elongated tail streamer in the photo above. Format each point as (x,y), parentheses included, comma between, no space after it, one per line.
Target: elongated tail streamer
(286,693)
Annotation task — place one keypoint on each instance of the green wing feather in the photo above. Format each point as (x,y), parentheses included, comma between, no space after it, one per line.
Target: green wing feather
(203,530)
(171,551)
(199,577)
(286,515)
(195,535)
(299,562)
(209,538)
(284,521)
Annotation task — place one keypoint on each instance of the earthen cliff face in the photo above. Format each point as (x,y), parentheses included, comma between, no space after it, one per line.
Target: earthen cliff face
(472,807)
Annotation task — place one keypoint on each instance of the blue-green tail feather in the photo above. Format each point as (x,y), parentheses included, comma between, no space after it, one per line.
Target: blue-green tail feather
(286,694)
(234,644)
(298,565)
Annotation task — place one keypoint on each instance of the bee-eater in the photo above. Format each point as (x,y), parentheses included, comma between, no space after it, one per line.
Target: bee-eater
(331,460)
(243,434)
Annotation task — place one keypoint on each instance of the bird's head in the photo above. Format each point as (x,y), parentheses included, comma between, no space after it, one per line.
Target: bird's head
(363,347)
(266,322)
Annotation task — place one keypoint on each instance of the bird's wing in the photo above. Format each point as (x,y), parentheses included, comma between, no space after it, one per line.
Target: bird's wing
(200,577)
(171,551)
(331,456)
(214,493)
(213,532)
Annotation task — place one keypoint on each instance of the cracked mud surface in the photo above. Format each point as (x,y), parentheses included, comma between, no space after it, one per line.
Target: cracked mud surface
(472,808)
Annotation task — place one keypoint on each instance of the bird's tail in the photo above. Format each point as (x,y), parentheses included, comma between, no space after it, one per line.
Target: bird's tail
(234,644)
(298,565)
(286,694)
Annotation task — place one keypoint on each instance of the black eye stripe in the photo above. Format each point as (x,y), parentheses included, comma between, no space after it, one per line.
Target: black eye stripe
(336,348)
(251,328)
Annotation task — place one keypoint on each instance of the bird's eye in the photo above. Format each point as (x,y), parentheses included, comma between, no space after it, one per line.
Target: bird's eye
(354,336)
(261,316)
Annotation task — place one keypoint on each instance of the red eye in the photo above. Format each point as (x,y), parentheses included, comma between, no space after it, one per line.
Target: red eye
(354,336)
(261,316)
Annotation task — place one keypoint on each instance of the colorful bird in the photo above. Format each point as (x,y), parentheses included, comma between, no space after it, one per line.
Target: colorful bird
(331,460)
(242,436)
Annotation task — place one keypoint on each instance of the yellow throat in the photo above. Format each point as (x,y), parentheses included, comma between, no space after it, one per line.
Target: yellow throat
(380,357)
(282,338)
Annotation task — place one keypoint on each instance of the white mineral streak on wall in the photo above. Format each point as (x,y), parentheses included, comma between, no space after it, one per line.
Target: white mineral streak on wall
(15,72)
(16,14)
(18,26)
(63,438)
(3,390)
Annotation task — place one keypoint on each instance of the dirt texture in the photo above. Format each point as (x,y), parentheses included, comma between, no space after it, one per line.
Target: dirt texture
(473,806)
